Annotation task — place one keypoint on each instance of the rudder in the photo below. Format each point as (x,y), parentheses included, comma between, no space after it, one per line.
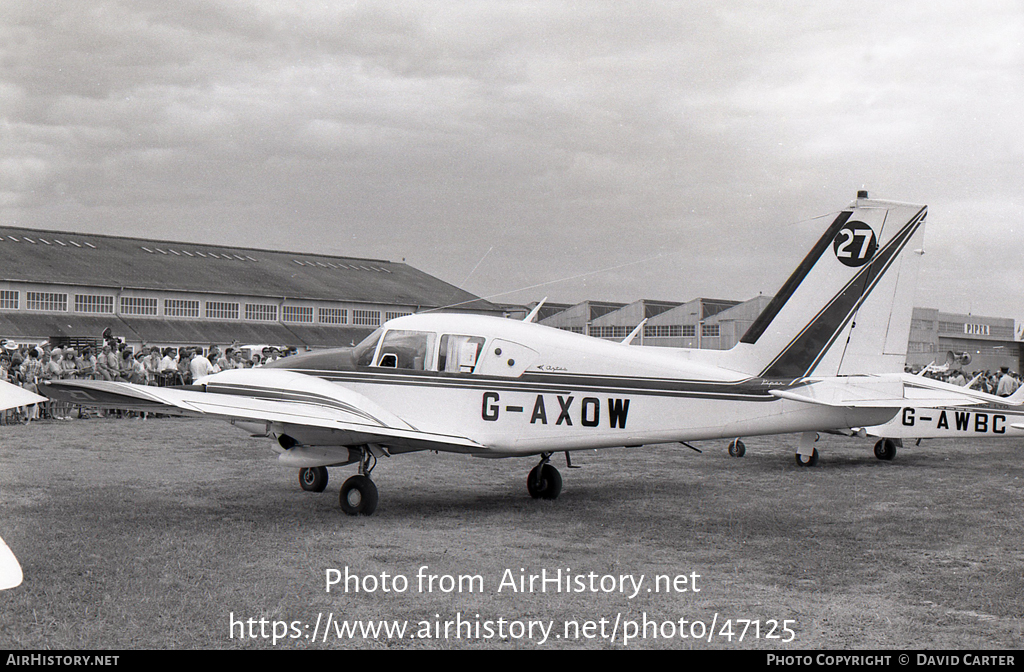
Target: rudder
(847,308)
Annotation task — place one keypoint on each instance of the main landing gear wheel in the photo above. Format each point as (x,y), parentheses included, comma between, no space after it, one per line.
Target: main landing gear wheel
(807,460)
(358,496)
(313,479)
(544,482)
(885,449)
(737,449)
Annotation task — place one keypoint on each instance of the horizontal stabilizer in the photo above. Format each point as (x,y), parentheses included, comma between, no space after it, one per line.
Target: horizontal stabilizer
(887,391)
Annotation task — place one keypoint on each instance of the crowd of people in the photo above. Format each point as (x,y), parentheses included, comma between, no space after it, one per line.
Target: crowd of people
(27,365)
(1001,383)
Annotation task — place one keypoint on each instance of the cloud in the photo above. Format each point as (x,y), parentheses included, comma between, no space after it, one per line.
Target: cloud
(568,138)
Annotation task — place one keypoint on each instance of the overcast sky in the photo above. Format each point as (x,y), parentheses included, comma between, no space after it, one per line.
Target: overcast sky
(662,150)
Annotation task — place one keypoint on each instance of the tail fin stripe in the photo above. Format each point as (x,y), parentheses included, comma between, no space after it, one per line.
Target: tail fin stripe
(793,283)
(804,352)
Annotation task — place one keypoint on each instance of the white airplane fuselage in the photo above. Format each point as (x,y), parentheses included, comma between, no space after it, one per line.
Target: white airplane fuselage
(953,422)
(537,389)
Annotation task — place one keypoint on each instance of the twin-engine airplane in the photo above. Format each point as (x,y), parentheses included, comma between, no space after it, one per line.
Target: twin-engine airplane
(1002,419)
(826,353)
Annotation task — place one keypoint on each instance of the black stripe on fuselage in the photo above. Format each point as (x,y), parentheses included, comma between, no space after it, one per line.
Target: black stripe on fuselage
(805,351)
(752,389)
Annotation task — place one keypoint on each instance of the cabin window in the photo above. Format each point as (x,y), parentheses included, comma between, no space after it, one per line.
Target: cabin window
(459,354)
(403,349)
(363,353)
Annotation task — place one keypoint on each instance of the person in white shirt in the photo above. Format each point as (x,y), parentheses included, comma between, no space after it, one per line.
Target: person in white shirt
(167,362)
(199,366)
(1007,383)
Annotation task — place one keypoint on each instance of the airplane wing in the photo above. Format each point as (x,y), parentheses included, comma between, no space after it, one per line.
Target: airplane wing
(10,569)
(12,396)
(887,391)
(296,404)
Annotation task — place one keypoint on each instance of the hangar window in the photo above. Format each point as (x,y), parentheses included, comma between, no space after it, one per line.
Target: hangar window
(332,315)
(46,301)
(459,354)
(266,312)
(366,318)
(135,305)
(297,313)
(389,315)
(93,303)
(688,331)
(181,308)
(709,330)
(404,349)
(222,310)
(663,331)
(9,298)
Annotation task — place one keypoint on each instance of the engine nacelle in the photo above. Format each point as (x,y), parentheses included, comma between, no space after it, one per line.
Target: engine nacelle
(318,456)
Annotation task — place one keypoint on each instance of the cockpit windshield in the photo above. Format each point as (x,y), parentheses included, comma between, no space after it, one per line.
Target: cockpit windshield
(363,353)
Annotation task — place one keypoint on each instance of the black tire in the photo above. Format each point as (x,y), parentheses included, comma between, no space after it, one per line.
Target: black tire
(549,484)
(805,461)
(737,449)
(885,449)
(358,496)
(313,479)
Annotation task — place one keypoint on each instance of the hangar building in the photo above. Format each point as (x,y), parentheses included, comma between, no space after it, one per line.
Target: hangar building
(58,284)
(968,342)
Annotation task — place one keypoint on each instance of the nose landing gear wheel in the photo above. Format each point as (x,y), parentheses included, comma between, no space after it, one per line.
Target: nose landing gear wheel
(807,460)
(313,479)
(544,482)
(358,496)
(737,449)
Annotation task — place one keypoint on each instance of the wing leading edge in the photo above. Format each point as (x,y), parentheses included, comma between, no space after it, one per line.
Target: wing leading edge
(294,403)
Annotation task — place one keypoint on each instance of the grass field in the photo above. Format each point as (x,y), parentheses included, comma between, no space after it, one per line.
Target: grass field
(151,534)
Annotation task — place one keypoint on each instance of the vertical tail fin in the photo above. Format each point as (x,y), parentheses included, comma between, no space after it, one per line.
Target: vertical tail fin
(847,307)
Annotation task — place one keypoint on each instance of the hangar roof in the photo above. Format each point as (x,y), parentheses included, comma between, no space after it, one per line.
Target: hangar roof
(52,257)
(40,326)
